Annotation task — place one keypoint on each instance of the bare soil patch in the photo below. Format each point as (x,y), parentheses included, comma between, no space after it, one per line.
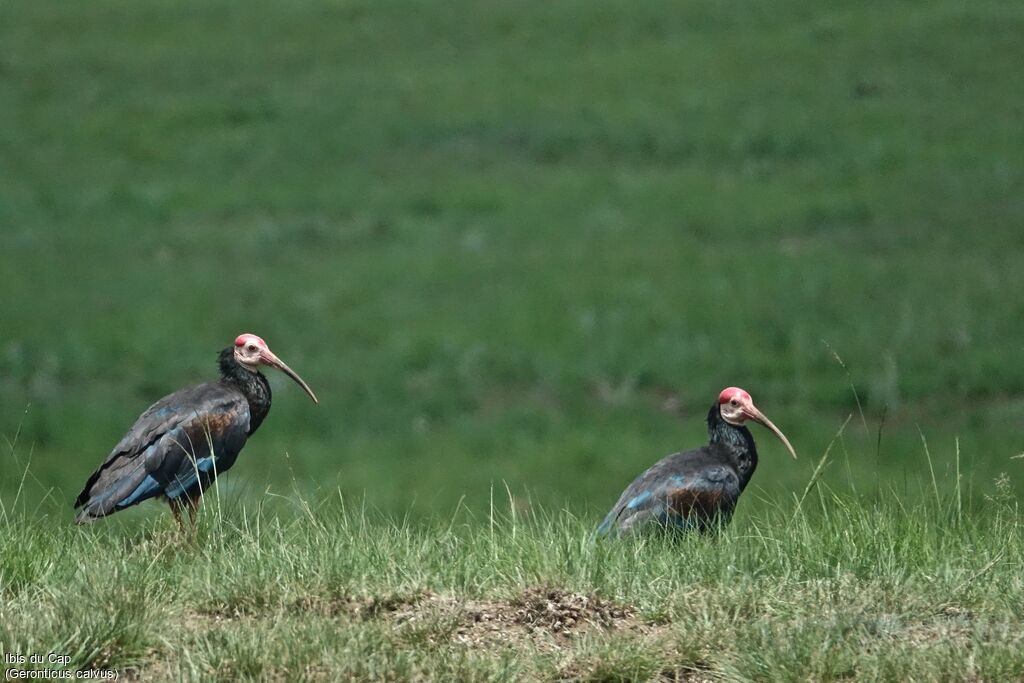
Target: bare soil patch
(548,617)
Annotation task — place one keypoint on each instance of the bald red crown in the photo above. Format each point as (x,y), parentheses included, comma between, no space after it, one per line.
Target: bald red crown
(733,392)
(243,339)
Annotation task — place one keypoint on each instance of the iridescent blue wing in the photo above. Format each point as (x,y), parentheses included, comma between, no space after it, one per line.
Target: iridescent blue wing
(179,443)
(686,491)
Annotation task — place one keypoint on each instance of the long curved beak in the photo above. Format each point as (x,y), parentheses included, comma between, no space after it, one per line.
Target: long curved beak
(756,415)
(267,357)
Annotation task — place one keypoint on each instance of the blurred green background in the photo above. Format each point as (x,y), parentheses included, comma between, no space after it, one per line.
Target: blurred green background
(521,243)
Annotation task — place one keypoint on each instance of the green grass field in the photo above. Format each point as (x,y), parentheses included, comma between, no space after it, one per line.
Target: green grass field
(834,591)
(517,249)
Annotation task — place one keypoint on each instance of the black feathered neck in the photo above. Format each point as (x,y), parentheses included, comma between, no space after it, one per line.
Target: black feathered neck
(736,442)
(253,385)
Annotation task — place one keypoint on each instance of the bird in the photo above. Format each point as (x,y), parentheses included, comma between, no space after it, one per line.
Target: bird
(696,490)
(178,446)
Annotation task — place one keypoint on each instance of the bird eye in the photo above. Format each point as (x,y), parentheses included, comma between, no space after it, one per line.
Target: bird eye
(252,347)
(734,402)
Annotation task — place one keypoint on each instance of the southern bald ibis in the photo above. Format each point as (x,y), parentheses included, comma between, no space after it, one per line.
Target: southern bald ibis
(179,445)
(698,489)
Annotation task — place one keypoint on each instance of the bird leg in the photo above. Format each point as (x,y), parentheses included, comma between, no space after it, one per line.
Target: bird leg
(194,501)
(191,501)
(176,509)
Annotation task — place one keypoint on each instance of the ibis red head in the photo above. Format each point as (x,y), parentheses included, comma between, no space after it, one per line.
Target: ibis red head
(737,407)
(251,352)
